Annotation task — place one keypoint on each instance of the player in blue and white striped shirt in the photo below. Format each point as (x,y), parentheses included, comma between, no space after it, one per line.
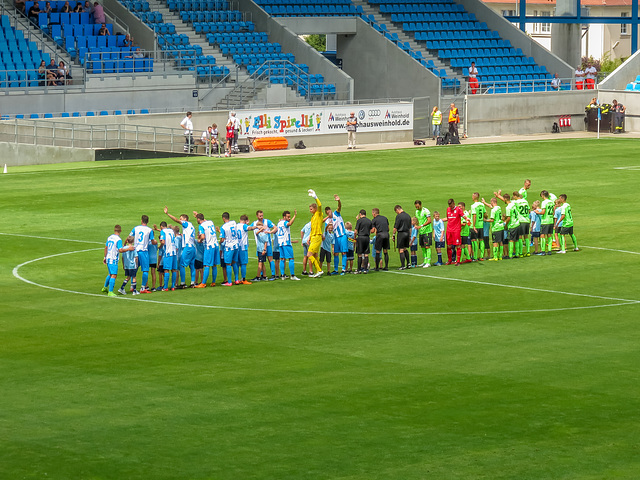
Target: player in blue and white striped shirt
(229,238)
(143,235)
(211,256)
(188,257)
(284,241)
(340,236)
(112,250)
(170,257)
(243,240)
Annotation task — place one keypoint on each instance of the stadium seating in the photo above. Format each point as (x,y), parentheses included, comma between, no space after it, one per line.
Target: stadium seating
(634,86)
(19,58)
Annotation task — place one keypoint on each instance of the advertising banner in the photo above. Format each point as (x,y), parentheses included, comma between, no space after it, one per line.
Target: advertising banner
(321,120)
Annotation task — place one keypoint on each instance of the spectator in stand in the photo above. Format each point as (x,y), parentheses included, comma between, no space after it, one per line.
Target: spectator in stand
(19,4)
(66,8)
(47,8)
(556,82)
(88,8)
(98,13)
(78,8)
(33,12)
(579,78)
(42,73)
(63,74)
(128,40)
(590,74)
(473,78)
(104,31)
(52,73)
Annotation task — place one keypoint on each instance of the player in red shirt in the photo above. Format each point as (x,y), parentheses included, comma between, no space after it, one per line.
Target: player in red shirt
(454,226)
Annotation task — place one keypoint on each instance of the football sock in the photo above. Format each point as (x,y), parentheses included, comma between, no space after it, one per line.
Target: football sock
(519,247)
(228,273)
(440,257)
(561,239)
(459,254)
(386,259)
(145,279)
(243,271)
(112,283)
(414,260)
(543,244)
(365,262)
(183,274)
(205,274)
(449,253)
(282,266)
(428,255)
(407,256)
(574,240)
(214,274)
(316,265)
(235,271)
(166,279)
(425,254)
(527,245)
(133,284)
(496,252)
(124,284)
(336,262)
(272,264)
(474,248)
(402,259)
(292,267)
(359,263)
(511,249)
(106,281)
(549,244)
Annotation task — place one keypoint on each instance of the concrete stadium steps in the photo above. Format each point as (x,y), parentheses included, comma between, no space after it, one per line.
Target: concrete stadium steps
(404,37)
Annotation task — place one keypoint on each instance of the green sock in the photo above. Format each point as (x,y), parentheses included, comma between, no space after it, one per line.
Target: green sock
(549,244)
(476,250)
(496,252)
(543,244)
(561,239)
(511,249)
(428,255)
(527,246)
(575,242)
(519,247)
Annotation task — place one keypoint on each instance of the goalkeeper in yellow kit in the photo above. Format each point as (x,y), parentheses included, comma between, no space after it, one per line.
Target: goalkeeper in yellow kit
(315,238)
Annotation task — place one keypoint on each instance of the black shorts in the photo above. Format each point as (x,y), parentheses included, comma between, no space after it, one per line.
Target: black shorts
(222,262)
(403,239)
(276,255)
(487,242)
(557,229)
(153,265)
(475,235)
(382,241)
(546,229)
(262,257)
(425,240)
(130,272)
(160,269)
(198,264)
(362,245)
(466,240)
(350,255)
(325,255)
(497,236)
(414,248)
(566,231)
(440,244)
(513,234)
(524,229)
(535,234)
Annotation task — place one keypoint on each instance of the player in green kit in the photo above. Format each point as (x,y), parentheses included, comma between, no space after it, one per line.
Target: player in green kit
(425,232)
(525,224)
(523,190)
(512,223)
(497,227)
(567,225)
(477,225)
(546,210)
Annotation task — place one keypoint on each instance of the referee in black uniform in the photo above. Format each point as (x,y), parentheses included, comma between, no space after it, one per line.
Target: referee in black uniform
(402,228)
(363,231)
(381,224)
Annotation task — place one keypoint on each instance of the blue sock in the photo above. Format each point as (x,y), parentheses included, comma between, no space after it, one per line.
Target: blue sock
(106,281)
(133,284)
(235,272)
(174,277)
(183,274)
(192,268)
(145,279)
(344,262)
(291,267)
(336,261)
(229,273)
(243,271)
(205,274)
(214,274)
(440,257)
(272,264)
(282,266)
(166,280)
(112,283)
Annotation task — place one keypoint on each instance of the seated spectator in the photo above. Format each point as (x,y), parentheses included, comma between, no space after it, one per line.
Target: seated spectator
(137,53)
(88,8)
(98,13)
(47,8)
(33,12)
(19,4)
(63,74)
(128,41)
(555,82)
(66,8)
(42,73)
(78,8)
(52,73)
(104,31)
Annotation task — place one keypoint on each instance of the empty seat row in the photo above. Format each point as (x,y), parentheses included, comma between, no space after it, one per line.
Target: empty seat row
(164,28)
(409,2)
(421,8)
(325,10)
(195,60)
(240,37)
(478,52)
(251,59)
(411,25)
(209,72)
(150,17)
(471,44)
(197,5)
(225,16)
(262,48)
(103,66)
(460,34)
(45,20)
(514,61)
(136,6)
(303,2)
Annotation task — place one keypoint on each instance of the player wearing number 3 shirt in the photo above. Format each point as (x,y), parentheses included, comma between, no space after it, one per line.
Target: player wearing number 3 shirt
(142,236)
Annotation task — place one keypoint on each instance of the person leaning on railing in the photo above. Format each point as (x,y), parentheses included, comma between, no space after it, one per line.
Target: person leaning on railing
(556,82)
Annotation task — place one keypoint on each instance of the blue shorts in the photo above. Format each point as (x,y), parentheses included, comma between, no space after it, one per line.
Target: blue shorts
(244,257)
(211,257)
(188,256)
(170,263)
(143,260)
(340,245)
(113,268)
(413,248)
(286,252)
(130,272)
(231,256)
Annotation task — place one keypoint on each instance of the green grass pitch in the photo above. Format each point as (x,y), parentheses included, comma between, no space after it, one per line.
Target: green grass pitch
(520,369)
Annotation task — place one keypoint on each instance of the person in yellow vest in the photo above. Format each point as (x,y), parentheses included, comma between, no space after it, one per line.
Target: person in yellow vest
(436,121)
(454,119)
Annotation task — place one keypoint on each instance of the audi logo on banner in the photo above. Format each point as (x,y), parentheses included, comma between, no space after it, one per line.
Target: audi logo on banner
(374,113)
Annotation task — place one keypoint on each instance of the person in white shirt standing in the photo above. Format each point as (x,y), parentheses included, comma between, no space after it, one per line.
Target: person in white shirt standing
(187,125)
(579,78)
(590,74)
(473,78)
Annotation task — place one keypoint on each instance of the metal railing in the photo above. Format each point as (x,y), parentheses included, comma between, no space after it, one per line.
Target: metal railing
(76,135)
(525,86)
